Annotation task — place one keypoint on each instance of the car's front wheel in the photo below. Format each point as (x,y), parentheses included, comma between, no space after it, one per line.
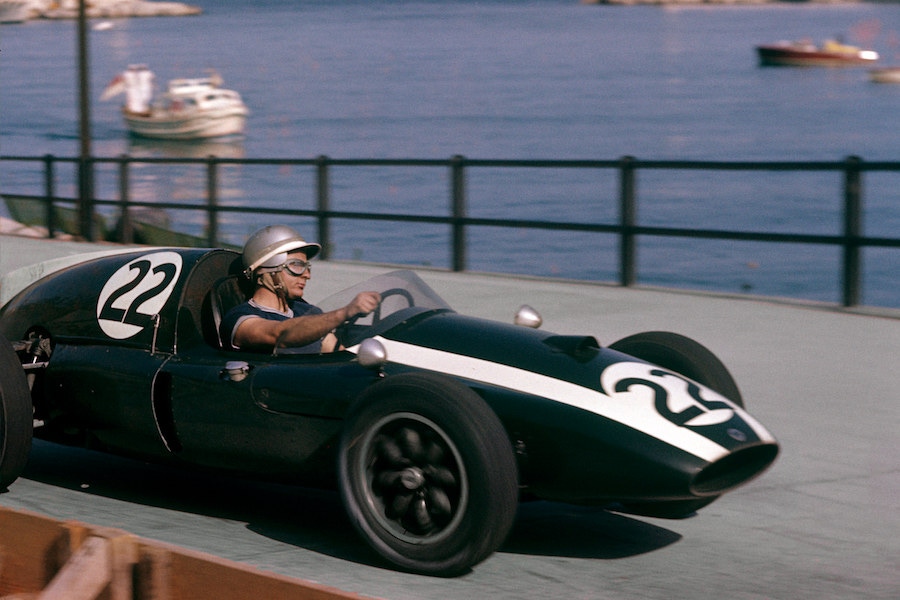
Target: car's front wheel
(683,355)
(16,416)
(427,474)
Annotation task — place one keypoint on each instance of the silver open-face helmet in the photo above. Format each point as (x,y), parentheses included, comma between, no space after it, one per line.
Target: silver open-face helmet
(267,249)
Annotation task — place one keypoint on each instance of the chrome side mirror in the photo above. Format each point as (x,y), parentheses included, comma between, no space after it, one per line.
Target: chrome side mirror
(528,317)
(372,354)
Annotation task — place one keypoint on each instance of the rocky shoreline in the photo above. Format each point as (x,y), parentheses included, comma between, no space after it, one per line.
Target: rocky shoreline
(110,9)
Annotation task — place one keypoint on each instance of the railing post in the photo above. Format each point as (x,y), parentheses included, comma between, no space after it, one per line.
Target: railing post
(852,230)
(86,198)
(458,199)
(323,204)
(628,219)
(212,201)
(86,221)
(126,231)
(49,193)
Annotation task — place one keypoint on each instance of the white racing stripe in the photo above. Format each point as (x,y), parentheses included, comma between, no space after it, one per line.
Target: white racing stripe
(637,415)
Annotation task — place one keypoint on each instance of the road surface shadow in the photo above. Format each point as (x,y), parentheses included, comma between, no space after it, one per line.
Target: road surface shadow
(564,530)
(314,519)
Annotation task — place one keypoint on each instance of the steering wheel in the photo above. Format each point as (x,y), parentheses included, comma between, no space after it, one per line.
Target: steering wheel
(345,331)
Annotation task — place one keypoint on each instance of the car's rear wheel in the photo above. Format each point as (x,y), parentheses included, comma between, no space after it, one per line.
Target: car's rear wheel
(694,360)
(427,474)
(16,416)
(682,355)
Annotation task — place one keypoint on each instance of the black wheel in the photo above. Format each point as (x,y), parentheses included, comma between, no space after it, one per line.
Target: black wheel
(427,474)
(682,355)
(16,416)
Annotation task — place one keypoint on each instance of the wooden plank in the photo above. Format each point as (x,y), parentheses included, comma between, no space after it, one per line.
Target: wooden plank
(124,555)
(151,574)
(51,560)
(85,575)
(226,580)
(35,548)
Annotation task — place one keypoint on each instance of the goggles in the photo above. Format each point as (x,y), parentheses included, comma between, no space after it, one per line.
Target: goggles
(297,267)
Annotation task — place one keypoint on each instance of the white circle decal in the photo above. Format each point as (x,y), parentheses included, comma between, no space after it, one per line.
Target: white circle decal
(136,293)
(672,396)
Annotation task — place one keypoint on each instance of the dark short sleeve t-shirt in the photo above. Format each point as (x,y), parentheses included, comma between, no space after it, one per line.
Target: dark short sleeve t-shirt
(239,313)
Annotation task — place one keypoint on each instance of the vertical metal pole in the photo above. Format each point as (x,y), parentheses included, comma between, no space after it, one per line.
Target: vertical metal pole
(85,165)
(458,193)
(49,193)
(852,230)
(628,216)
(126,231)
(212,201)
(323,204)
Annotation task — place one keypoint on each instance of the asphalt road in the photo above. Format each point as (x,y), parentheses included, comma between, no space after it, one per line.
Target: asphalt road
(822,523)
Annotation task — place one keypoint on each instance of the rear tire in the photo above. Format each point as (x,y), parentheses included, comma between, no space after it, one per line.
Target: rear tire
(427,474)
(16,416)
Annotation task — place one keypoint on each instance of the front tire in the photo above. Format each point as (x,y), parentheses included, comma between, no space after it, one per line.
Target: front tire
(682,355)
(16,416)
(427,474)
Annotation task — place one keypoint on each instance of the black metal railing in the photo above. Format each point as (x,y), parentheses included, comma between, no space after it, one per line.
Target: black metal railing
(850,240)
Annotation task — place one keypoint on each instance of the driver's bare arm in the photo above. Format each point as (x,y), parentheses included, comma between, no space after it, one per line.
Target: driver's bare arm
(299,331)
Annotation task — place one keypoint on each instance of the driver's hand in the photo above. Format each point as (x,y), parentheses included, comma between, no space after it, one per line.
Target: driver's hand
(363,303)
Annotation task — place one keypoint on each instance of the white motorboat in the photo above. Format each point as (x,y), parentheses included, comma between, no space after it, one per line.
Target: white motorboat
(190,109)
(15,11)
(885,75)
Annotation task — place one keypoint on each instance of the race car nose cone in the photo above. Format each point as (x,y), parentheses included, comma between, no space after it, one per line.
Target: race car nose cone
(735,469)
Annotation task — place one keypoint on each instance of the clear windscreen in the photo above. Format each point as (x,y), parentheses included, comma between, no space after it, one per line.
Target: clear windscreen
(403,296)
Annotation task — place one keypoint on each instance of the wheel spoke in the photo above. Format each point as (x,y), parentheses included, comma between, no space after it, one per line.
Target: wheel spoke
(438,502)
(391,451)
(420,516)
(400,505)
(434,453)
(411,443)
(441,476)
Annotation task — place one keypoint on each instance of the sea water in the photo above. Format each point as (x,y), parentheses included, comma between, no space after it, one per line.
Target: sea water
(539,79)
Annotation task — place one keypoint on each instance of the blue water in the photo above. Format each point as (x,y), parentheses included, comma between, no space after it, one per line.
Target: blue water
(544,79)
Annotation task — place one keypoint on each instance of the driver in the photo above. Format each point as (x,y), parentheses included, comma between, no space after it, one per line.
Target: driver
(276,315)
